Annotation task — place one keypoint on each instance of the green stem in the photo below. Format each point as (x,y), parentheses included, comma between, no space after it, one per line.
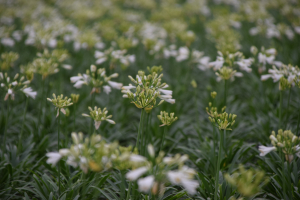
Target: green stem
(298,123)
(140,131)
(74,117)
(280,110)
(21,135)
(58,134)
(41,106)
(225,92)
(163,139)
(218,166)
(128,191)
(146,135)
(93,102)
(288,106)
(6,124)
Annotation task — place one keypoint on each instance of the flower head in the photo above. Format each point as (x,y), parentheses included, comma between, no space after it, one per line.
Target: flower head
(99,115)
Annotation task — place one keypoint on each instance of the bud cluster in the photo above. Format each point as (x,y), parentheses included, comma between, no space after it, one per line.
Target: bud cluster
(7,60)
(60,103)
(248,182)
(96,78)
(162,170)
(226,65)
(165,119)
(98,116)
(147,89)
(75,98)
(287,141)
(287,75)
(11,86)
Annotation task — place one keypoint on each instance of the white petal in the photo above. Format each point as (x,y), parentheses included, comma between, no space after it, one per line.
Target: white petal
(145,184)
(115,85)
(135,174)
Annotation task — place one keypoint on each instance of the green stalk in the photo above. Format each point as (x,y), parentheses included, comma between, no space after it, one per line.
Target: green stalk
(146,135)
(122,187)
(74,117)
(24,114)
(6,124)
(298,123)
(41,106)
(225,92)
(288,106)
(93,102)
(280,110)
(128,191)
(140,131)
(218,166)
(163,138)
(58,134)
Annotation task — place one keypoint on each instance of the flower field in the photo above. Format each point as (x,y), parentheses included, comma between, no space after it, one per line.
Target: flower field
(149,99)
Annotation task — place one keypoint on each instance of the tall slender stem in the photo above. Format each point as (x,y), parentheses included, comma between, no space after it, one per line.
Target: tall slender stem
(41,106)
(298,123)
(6,124)
(146,135)
(140,131)
(58,138)
(74,117)
(225,92)
(218,166)
(280,110)
(163,138)
(24,114)
(93,102)
(288,106)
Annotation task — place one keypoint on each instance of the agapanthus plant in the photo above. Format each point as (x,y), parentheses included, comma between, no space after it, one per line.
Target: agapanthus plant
(115,57)
(7,60)
(147,89)
(247,182)
(95,154)
(98,116)
(226,66)
(11,86)
(97,80)
(285,141)
(160,171)
(287,75)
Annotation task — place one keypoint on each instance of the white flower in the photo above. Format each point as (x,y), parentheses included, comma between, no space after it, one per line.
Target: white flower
(265,150)
(115,85)
(190,186)
(68,67)
(184,177)
(183,54)
(52,43)
(110,121)
(8,42)
(79,84)
(107,89)
(262,58)
(135,174)
(137,158)
(145,184)
(167,92)
(216,65)
(53,158)
(29,92)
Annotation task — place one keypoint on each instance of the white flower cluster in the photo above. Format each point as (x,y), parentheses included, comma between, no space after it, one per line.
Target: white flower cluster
(286,72)
(96,78)
(225,64)
(182,176)
(114,57)
(11,86)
